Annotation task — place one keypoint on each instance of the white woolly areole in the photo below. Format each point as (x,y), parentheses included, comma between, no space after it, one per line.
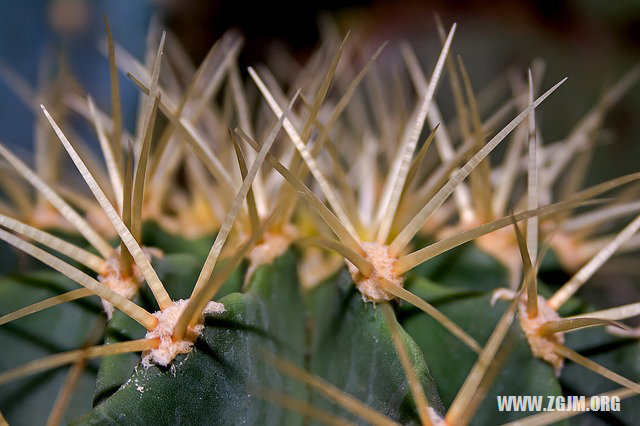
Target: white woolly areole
(125,285)
(271,245)
(542,346)
(168,348)
(112,277)
(383,267)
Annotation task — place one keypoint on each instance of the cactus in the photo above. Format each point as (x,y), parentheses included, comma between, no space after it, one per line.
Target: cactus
(353,279)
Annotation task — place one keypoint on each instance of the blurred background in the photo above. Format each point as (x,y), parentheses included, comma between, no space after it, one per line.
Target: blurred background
(592,42)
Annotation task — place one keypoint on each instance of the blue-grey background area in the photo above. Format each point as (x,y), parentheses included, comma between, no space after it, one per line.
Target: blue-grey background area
(28,39)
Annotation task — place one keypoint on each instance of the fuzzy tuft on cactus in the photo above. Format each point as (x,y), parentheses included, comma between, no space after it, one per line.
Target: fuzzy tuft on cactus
(169,347)
(382,264)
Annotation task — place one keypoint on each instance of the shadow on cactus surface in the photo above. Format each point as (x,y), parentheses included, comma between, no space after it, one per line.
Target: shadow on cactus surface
(317,247)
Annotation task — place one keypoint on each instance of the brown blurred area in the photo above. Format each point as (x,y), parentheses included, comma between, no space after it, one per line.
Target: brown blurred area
(200,22)
(591,42)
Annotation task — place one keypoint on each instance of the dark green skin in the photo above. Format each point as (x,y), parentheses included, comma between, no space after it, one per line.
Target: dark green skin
(329,331)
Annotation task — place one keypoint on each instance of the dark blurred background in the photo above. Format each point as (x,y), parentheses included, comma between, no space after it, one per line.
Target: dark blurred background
(590,41)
